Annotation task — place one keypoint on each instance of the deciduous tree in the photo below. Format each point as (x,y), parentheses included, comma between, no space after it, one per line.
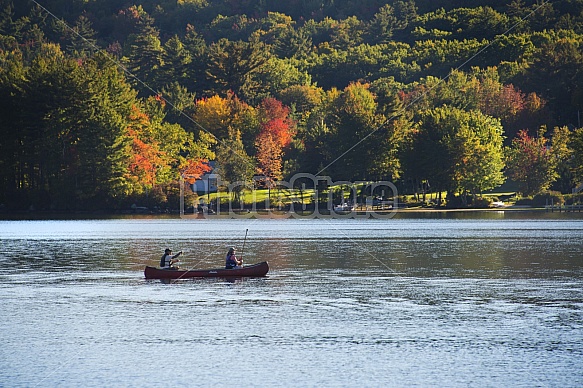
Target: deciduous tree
(576,145)
(530,163)
(456,151)
(213,115)
(233,163)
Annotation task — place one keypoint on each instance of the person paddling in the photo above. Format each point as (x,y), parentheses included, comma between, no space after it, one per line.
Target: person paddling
(232,262)
(167,260)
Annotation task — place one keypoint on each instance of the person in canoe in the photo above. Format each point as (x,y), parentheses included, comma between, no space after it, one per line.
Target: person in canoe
(232,260)
(168,260)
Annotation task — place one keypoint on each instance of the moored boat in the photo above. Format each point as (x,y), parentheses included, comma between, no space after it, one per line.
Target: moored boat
(254,270)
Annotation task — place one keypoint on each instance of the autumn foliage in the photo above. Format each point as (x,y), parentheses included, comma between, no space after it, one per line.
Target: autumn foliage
(149,163)
(213,115)
(269,156)
(194,169)
(145,155)
(276,134)
(530,162)
(278,89)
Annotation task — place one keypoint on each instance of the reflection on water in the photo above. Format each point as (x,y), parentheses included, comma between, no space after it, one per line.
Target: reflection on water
(404,247)
(483,301)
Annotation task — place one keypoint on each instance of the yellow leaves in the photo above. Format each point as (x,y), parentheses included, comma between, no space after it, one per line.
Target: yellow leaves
(217,115)
(213,115)
(358,100)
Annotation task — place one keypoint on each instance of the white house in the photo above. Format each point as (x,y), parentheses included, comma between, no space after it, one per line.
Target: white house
(208,182)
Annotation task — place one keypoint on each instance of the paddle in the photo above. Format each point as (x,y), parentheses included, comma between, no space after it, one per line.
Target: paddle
(243,249)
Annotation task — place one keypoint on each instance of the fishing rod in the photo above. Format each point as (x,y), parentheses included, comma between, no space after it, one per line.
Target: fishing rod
(243,249)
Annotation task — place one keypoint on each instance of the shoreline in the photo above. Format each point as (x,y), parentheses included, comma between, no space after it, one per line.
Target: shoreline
(280,214)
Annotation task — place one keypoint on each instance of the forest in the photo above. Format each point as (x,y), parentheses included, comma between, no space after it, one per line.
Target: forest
(108,103)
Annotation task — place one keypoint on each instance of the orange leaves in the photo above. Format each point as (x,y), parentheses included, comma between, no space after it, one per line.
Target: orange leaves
(145,155)
(144,160)
(269,155)
(194,169)
(138,117)
(159,154)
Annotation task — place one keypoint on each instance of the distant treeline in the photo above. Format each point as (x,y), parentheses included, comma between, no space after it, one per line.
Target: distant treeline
(108,103)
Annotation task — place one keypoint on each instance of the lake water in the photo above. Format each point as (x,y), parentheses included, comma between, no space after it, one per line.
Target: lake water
(475,300)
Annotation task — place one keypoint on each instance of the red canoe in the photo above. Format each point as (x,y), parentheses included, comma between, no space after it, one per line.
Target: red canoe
(255,270)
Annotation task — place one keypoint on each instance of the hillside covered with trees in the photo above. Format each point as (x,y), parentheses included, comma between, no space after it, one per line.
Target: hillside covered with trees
(105,103)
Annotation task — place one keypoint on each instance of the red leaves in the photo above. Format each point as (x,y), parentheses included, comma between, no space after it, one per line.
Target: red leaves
(161,100)
(502,101)
(277,130)
(276,122)
(530,163)
(530,145)
(272,108)
(280,130)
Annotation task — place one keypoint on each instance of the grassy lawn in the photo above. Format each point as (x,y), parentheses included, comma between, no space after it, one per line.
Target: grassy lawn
(277,196)
(285,196)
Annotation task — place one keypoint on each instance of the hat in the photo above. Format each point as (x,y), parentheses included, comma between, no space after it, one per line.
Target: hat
(168,250)
(231,249)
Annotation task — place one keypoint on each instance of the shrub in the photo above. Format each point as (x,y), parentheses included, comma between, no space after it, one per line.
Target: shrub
(482,202)
(574,198)
(548,198)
